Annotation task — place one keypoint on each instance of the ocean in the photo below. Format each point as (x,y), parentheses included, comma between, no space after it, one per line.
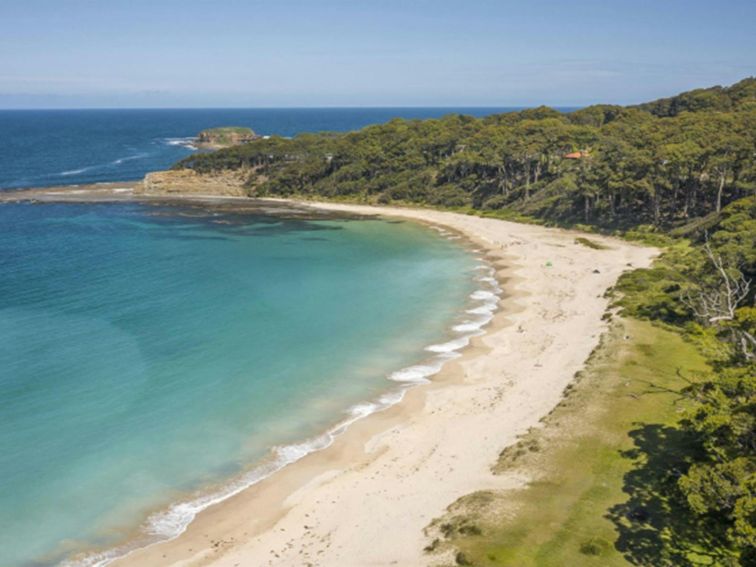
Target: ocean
(63,147)
(155,360)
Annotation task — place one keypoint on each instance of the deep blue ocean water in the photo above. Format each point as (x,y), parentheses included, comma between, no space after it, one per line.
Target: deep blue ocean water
(154,360)
(62,147)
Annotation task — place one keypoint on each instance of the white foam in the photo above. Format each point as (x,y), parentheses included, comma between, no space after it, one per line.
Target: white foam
(67,191)
(129,158)
(416,374)
(114,162)
(287,454)
(183,142)
(485,309)
(361,410)
(450,346)
(391,398)
(75,171)
(489,301)
(472,326)
(482,294)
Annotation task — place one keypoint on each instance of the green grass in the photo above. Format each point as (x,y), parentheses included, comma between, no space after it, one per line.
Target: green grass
(599,466)
(589,243)
(229,130)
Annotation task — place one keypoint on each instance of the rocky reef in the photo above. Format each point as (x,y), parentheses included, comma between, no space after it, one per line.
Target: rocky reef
(189,182)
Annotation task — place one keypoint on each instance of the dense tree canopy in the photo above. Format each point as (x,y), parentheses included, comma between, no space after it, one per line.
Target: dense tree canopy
(661,163)
(723,99)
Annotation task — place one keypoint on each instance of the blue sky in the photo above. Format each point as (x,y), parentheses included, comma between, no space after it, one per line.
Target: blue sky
(183,53)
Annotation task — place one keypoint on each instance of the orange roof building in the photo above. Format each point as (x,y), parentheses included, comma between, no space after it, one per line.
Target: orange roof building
(576,155)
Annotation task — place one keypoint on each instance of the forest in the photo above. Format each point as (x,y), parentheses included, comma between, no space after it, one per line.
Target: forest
(679,173)
(661,163)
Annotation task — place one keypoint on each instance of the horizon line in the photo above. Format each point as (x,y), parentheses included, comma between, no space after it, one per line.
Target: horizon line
(335,107)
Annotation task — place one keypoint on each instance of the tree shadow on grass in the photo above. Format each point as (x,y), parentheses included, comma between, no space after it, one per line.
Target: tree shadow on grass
(655,526)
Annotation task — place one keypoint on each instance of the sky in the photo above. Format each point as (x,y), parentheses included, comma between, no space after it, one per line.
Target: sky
(296,53)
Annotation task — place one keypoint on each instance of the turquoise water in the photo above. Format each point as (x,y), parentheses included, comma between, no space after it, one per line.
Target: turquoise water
(147,354)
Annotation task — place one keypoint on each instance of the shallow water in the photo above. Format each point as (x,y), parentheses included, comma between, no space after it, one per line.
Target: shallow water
(147,353)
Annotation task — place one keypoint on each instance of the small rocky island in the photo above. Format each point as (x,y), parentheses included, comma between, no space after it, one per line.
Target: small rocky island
(224,137)
(189,182)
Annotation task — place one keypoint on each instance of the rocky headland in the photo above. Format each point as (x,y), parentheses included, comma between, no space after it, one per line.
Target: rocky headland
(189,182)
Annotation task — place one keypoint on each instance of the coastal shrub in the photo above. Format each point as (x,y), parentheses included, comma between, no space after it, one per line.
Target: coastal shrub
(589,243)
(595,546)
(496,202)
(461,559)
(449,196)
(657,293)
(432,546)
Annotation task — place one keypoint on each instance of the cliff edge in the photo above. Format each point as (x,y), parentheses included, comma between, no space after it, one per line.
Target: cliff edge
(189,182)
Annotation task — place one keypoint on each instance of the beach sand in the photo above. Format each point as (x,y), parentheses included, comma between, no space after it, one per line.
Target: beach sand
(366,499)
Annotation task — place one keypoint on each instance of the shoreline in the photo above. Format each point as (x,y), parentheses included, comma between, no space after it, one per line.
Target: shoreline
(475,315)
(505,381)
(468,324)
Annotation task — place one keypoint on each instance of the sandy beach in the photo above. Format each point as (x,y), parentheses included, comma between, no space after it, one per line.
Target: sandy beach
(367,498)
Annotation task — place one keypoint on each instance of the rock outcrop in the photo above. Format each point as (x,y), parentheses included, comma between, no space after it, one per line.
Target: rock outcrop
(189,182)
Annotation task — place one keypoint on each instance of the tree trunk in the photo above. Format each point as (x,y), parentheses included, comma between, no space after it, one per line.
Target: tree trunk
(722,177)
(657,212)
(527,181)
(587,208)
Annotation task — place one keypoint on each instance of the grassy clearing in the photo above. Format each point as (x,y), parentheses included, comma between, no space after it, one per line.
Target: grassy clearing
(598,468)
